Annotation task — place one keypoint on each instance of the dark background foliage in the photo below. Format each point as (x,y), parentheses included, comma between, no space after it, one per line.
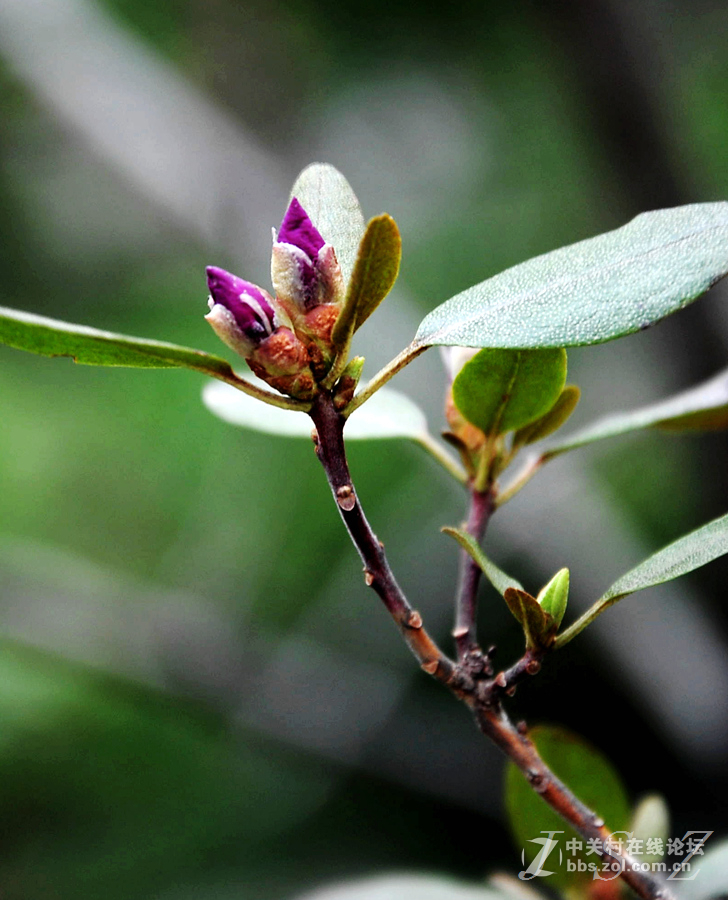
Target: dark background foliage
(198,696)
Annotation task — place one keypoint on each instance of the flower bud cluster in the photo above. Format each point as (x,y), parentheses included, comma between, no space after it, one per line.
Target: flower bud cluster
(286,338)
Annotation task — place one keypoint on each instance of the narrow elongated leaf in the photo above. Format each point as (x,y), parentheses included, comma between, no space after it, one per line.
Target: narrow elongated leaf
(333,208)
(500,390)
(702,408)
(682,556)
(406,887)
(708,875)
(553,420)
(91,347)
(538,625)
(388,414)
(377,265)
(595,782)
(498,578)
(650,821)
(594,291)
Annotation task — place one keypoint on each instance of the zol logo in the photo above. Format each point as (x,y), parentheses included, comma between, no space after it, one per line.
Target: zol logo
(536,869)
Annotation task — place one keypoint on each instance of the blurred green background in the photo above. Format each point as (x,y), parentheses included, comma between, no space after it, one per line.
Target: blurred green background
(198,696)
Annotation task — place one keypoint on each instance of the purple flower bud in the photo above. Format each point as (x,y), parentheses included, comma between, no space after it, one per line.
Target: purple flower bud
(241,313)
(304,269)
(299,230)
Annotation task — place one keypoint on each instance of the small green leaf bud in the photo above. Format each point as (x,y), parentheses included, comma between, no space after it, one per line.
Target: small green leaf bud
(553,596)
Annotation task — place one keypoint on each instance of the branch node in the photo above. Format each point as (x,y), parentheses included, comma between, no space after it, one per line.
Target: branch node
(537,781)
(368,578)
(430,666)
(533,667)
(522,728)
(500,680)
(345,497)
(511,691)
(460,632)
(414,620)
(461,681)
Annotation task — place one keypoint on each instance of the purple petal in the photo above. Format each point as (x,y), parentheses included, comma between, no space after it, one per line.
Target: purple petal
(250,306)
(299,230)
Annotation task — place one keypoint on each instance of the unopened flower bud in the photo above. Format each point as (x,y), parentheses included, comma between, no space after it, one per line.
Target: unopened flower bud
(308,282)
(241,314)
(298,229)
(283,361)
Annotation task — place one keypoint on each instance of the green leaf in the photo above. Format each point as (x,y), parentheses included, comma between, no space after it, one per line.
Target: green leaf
(554,596)
(334,209)
(594,291)
(91,347)
(500,581)
(501,390)
(650,819)
(711,871)
(377,265)
(702,408)
(388,414)
(682,556)
(538,627)
(553,420)
(589,775)
(406,887)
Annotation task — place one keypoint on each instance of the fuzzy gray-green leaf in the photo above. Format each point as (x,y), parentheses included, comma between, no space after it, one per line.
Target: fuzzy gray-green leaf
(650,819)
(710,874)
(333,208)
(702,408)
(593,291)
(89,346)
(377,265)
(682,556)
(388,414)
(407,886)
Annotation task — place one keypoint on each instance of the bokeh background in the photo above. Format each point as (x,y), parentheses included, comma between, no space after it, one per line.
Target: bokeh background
(198,696)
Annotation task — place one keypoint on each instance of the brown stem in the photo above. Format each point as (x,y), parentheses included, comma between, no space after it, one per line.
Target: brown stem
(377,573)
(505,683)
(466,601)
(483,697)
(517,746)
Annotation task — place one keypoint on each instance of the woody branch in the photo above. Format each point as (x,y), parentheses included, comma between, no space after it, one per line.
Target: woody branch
(483,697)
